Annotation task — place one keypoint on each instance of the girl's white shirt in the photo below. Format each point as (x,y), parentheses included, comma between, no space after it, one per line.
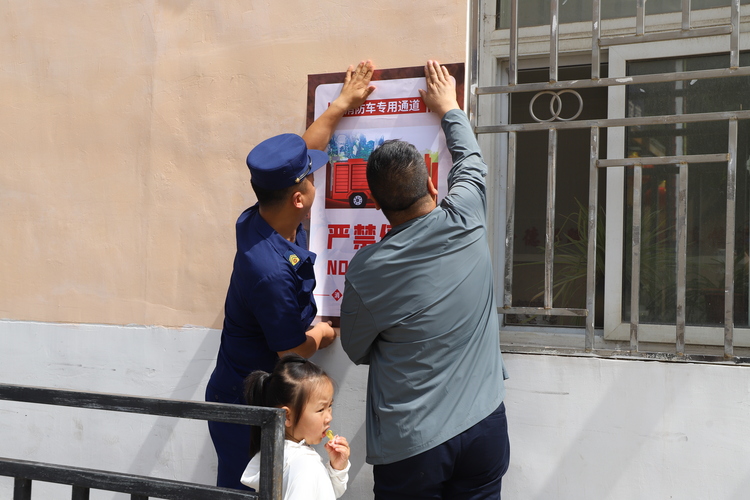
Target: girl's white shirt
(305,477)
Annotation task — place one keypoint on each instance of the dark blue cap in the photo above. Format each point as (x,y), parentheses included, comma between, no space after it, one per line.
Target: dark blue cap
(283,161)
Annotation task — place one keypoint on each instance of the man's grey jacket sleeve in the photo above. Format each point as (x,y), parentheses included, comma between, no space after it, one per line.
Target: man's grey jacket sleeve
(467,192)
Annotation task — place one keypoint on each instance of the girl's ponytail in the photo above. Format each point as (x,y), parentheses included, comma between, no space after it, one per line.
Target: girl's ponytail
(255,388)
(256,394)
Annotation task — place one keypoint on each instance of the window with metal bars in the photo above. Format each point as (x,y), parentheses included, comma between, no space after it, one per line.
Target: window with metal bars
(672,108)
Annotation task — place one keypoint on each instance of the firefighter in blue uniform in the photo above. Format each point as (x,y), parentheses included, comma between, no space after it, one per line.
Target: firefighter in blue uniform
(270,306)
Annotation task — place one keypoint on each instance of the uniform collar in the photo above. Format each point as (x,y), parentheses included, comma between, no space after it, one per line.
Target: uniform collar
(285,248)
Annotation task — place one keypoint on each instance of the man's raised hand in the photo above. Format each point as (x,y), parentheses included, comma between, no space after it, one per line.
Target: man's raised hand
(440,95)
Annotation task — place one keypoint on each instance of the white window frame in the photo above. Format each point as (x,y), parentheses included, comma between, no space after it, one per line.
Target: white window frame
(614,327)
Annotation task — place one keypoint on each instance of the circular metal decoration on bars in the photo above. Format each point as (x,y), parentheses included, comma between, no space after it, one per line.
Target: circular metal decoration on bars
(556,106)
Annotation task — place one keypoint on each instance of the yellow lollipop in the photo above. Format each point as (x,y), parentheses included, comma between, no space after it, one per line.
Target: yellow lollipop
(329,434)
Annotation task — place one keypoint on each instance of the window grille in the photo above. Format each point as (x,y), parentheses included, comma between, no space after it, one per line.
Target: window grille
(484,23)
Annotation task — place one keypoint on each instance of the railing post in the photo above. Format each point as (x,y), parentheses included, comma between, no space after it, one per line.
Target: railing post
(596,34)
(272,456)
(591,250)
(510,210)
(682,229)
(554,39)
(729,241)
(22,489)
(549,241)
(80,493)
(635,267)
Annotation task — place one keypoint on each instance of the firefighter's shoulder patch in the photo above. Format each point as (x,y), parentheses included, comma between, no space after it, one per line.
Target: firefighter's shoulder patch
(293,259)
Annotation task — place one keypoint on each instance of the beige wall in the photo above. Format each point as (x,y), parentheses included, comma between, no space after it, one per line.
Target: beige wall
(124,130)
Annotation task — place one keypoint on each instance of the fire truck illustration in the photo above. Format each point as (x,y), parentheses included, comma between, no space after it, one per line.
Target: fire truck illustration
(348,181)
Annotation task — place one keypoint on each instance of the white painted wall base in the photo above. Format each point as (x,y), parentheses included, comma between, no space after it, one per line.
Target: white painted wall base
(584,429)
(600,429)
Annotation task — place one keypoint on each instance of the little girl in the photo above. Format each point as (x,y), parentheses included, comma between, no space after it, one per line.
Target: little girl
(305,391)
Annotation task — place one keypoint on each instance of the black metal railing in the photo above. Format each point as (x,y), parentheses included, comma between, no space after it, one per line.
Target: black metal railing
(270,420)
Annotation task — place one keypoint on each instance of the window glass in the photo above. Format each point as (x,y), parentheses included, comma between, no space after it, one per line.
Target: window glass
(707,194)
(536,12)
(569,271)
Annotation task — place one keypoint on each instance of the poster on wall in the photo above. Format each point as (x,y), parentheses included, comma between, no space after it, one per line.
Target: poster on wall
(343,218)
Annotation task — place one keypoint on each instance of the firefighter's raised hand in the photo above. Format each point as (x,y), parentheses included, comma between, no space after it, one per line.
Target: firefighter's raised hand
(355,91)
(440,95)
(357,86)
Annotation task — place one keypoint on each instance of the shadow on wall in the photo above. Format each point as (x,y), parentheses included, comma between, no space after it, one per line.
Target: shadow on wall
(190,386)
(132,360)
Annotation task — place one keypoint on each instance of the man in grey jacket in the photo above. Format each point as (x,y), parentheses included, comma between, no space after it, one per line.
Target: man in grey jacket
(419,308)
